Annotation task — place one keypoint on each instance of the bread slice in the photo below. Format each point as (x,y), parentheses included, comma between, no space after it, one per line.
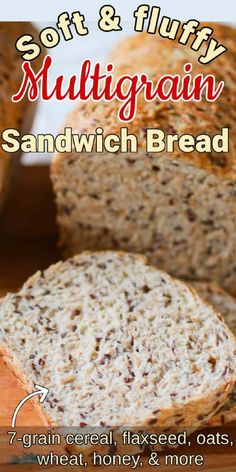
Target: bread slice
(117,343)
(176,208)
(226,305)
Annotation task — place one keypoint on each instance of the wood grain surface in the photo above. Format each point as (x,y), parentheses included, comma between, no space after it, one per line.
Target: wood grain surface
(28,236)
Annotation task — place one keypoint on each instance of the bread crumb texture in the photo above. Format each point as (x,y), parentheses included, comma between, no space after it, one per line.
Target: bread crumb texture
(118,342)
(226,305)
(178,209)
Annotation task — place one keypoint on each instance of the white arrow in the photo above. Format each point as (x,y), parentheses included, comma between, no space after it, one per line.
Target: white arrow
(43,391)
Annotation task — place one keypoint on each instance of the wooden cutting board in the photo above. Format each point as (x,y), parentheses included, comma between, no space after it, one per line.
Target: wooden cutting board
(28,236)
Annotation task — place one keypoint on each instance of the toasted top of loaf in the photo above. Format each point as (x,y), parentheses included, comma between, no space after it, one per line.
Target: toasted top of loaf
(117,342)
(156,56)
(12,115)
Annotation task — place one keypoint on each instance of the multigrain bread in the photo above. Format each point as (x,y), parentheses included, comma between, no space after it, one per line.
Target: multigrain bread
(13,115)
(178,209)
(225,304)
(222,301)
(117,342)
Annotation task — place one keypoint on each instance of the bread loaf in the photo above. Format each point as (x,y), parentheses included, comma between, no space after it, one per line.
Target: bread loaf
(226,305)
(117,342)
(179,208)
(12,115)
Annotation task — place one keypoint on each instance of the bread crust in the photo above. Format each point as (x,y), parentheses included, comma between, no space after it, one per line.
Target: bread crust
(13,115)
(226,304)
(139,53)
(225,415)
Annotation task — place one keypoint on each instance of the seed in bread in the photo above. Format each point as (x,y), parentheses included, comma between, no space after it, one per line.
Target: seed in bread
(177,208)
(225,304)
(118,342)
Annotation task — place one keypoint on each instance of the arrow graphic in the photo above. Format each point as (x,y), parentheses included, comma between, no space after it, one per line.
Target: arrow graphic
(43,391)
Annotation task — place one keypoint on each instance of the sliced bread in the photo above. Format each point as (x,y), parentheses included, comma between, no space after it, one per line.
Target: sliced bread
(226,305)
(179,209)
(117,342)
